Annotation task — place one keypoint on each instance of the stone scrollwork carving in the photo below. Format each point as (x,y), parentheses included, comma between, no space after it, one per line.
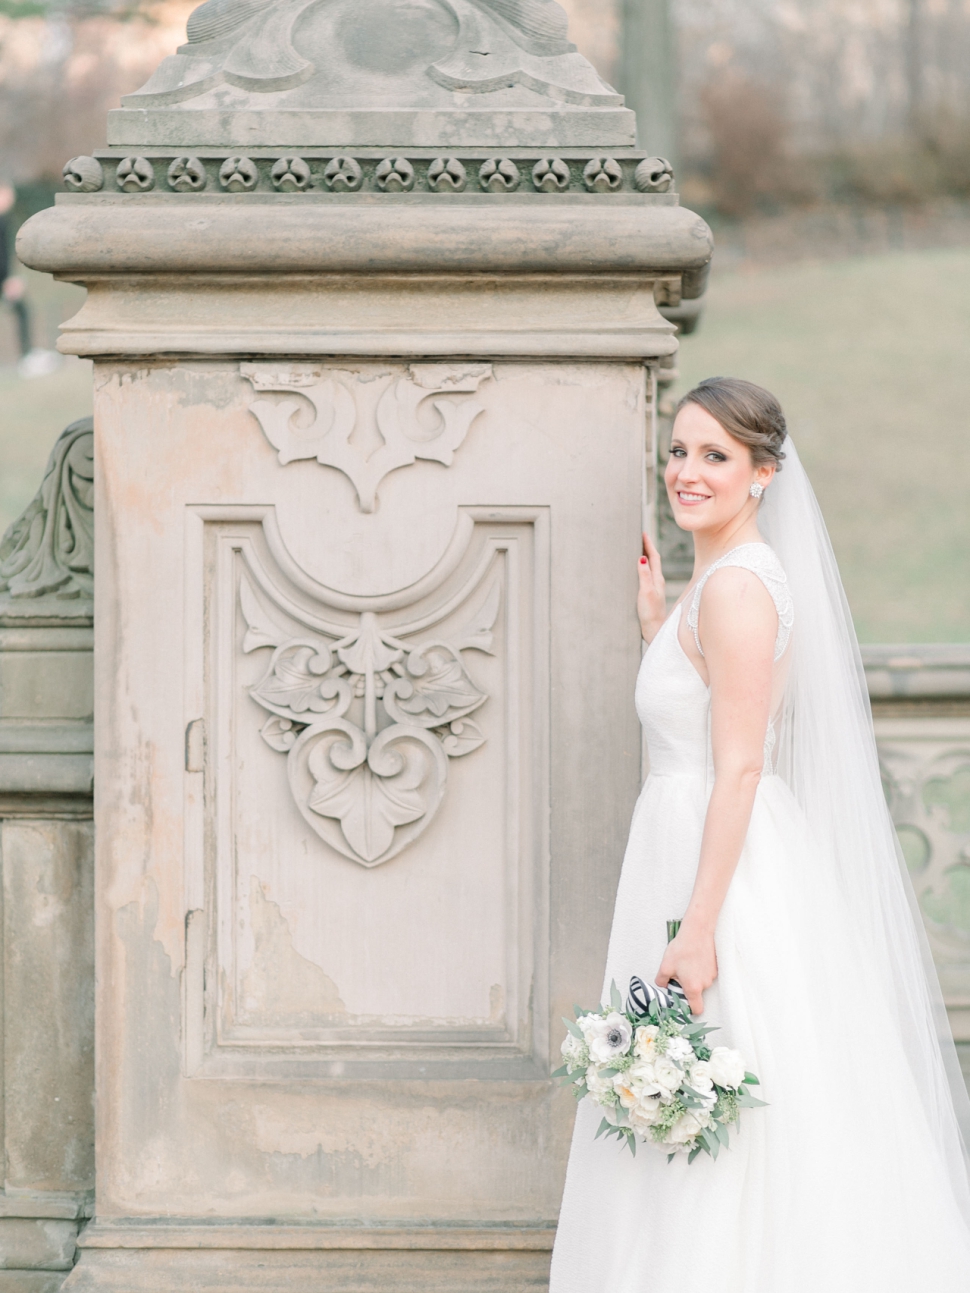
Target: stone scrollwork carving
(550,175)
(263,46)
(187,175)
(343,175)
(499,175)
(653,175)
(290,175)
(50,548)
(238,174)
(84,174)
(602,175)
(928,789)
(368,721)
(405,428)
(447,175)
(135,175)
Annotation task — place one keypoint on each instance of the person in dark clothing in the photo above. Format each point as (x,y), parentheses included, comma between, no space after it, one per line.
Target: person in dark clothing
(12,289)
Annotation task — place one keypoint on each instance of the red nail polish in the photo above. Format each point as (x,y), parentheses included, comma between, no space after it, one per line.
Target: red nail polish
(643,561)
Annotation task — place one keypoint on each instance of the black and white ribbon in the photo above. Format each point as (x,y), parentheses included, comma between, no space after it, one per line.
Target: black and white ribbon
(642,995)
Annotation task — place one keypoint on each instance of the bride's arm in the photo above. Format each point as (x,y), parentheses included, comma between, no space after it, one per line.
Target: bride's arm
(738,624)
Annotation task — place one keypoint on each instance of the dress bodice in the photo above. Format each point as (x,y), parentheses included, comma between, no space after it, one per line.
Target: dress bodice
(672,700)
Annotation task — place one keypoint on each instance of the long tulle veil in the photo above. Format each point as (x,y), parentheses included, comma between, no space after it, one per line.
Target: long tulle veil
(827,754)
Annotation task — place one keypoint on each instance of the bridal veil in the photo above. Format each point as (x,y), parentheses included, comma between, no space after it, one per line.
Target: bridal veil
(827,753)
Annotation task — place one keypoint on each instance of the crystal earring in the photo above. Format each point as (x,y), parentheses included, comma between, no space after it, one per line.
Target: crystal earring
(756,490)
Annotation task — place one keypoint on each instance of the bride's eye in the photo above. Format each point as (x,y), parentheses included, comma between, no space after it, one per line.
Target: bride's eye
(717,457)
(678,452)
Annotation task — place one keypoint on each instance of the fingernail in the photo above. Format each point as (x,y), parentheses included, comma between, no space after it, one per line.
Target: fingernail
(643,561)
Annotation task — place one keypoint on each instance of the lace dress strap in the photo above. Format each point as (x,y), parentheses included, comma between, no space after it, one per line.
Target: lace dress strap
(761,561)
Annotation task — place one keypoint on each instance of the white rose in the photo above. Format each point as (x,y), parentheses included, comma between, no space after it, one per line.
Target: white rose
(645,1045)
(679,1048)
(700,1077)
(586,1022)
(666,1074)
(686,1127)
(727,1067)
(643,1073)
(608,1038)
(625,1089)
(644,1115)
(599,1087)
(572,1049)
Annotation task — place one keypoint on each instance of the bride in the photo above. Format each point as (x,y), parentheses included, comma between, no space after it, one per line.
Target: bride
(763,827)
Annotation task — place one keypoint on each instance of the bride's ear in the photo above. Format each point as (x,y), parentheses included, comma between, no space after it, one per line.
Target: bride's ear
(764,474)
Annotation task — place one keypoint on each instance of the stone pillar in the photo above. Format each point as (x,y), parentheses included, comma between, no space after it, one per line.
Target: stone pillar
(47,872)
(372,304)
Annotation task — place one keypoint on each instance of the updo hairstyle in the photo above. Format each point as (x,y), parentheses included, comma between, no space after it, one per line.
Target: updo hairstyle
(747,412)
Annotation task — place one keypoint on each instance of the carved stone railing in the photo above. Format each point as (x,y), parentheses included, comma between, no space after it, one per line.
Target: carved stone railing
(921,707)
(46,858)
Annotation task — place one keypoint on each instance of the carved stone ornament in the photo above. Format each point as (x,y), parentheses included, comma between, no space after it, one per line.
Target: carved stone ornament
(499,175)
(50,548)
(254,47)
(83,174)
(426,414)
(238,174)
(653,175)
(447,175)
(395,175)
(135,175)
(290,175)
(602,175)
(343,175)
(187,175)
(550,175)
(368,721)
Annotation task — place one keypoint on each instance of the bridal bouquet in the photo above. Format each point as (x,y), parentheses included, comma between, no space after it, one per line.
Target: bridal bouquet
(651,1071)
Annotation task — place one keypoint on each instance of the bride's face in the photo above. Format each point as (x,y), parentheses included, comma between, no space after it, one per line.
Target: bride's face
(709,474)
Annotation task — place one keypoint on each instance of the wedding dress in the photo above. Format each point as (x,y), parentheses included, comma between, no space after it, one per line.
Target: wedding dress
(853,1179)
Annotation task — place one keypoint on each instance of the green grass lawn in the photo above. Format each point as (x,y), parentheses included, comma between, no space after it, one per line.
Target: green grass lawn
(870,358)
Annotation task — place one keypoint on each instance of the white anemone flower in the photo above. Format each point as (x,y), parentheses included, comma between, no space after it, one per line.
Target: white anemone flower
(607,1038)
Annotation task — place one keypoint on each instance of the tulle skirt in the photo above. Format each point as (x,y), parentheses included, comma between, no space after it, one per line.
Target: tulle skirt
(836,1186)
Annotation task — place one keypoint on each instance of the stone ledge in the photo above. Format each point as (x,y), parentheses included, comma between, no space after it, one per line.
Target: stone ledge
(229,236)
(925,671)
(45,774)
(544,127)
(45,736)
(350,1271)
(55,1205)
(316,1237)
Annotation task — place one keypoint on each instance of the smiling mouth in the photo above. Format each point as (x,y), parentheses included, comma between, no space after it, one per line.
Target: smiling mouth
(684,497)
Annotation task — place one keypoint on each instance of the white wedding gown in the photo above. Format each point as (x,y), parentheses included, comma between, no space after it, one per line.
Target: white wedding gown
(838,1185)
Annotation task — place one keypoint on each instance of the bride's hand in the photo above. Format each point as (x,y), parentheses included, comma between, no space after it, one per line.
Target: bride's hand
(651,599)
(691,960)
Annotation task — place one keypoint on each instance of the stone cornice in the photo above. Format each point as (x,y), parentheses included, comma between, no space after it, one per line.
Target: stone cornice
(410,234)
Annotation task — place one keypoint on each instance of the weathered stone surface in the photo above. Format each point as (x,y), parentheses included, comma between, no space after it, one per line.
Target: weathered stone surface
(596,235)
(30,1281)
(275,1271)
(48,1005)
(38,1244)
(458,72)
